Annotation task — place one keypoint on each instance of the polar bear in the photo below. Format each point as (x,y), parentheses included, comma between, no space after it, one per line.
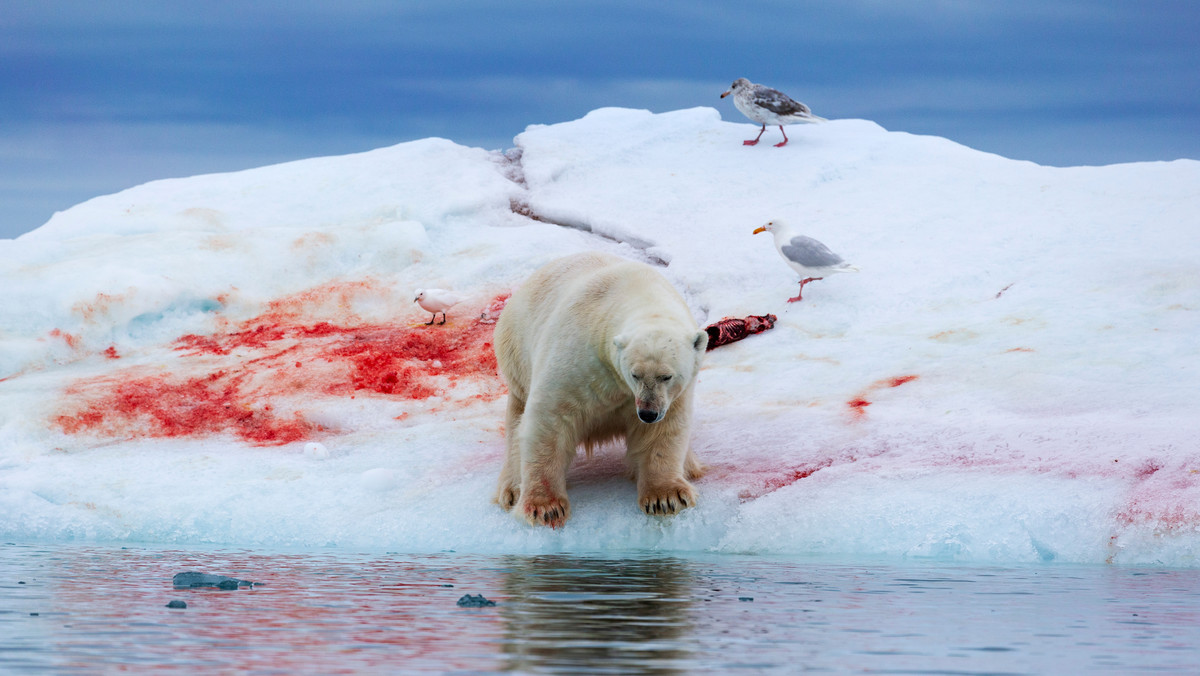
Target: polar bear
(595,348)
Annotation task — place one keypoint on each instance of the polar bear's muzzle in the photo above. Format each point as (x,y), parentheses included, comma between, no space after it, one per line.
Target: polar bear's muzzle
(648,416)
(648,413)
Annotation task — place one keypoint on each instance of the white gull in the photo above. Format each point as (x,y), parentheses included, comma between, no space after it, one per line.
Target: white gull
(437,300)
(812,259)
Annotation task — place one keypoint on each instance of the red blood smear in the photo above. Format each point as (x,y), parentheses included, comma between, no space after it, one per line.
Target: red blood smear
(1159,513)
(1148,468)
(859,404)
(1161,498)
(259,365)
(258,337)
(770,479)
(167,406)
(787,478)
(111,353)
(70,339)
(398,362)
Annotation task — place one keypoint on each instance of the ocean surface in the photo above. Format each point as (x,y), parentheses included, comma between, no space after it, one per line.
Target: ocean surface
(89,608)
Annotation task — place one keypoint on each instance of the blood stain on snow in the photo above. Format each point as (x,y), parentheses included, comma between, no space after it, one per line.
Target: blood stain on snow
(1151,510)
(102,305)
(860,402)
(857,405)
(756,477)
(400,362)
(239,382)
(171,406)
(1155,515)
(1160,503)
(70,339)
(1148,468)
(954,336)
(771,480)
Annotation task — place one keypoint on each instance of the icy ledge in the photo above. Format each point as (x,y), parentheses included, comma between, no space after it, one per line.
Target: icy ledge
(236,358)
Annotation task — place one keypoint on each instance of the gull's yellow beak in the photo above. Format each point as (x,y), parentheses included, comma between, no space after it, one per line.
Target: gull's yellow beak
(759,229)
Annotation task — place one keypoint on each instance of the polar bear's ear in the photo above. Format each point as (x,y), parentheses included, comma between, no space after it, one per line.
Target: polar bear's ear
(700,341)
(620,342)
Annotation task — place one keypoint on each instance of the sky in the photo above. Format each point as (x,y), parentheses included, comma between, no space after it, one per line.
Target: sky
(97,96)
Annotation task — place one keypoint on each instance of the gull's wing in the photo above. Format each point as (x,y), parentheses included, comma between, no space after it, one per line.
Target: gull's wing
(777,102)
(809,252)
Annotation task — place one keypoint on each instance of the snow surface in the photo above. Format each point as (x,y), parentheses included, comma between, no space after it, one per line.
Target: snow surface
(236,358)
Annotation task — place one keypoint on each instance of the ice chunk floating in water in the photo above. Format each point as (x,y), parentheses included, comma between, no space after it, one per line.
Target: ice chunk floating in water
(237,358)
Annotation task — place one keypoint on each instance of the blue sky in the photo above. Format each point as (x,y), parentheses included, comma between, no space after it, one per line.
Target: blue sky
(97,96)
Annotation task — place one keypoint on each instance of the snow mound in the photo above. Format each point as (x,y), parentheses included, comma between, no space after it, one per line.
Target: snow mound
(237,358)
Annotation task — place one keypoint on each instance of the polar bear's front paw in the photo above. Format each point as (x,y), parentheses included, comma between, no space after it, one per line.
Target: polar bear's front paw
(541,508)
(668,498)
(507,496)
(551,513)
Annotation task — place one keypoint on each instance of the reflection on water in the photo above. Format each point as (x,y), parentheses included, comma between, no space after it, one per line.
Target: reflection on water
(89,609)
(313,613)
(570,614)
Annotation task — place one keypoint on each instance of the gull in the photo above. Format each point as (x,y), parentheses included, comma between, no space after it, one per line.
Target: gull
(812,259)
(768,106)
(437,300)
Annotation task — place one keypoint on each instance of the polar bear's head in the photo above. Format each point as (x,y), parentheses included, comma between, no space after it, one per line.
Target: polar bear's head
(657,366)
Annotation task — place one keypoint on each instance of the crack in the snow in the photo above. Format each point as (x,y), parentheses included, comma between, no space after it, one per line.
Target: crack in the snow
(511,167)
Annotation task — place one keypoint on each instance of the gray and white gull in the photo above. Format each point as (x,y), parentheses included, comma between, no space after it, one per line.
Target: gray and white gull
(812,259)
(768,106)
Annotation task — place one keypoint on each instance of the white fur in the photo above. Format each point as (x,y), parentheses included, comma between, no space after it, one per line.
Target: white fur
(587,343)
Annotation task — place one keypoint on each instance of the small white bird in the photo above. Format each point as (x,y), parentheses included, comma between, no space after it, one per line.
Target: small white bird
(768,106)
(437,300)
(812,259)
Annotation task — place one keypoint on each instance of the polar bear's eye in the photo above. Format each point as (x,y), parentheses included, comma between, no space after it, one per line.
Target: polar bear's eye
(636,377)
(663,379)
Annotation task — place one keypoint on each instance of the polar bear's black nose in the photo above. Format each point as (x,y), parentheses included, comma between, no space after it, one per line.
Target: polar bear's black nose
(647,416)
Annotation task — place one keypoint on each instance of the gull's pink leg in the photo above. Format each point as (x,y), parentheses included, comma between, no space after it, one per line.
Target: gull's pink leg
(760,133)
(801,291)
(780,145)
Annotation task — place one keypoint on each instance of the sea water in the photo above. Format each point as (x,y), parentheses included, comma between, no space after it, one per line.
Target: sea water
(86,608)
